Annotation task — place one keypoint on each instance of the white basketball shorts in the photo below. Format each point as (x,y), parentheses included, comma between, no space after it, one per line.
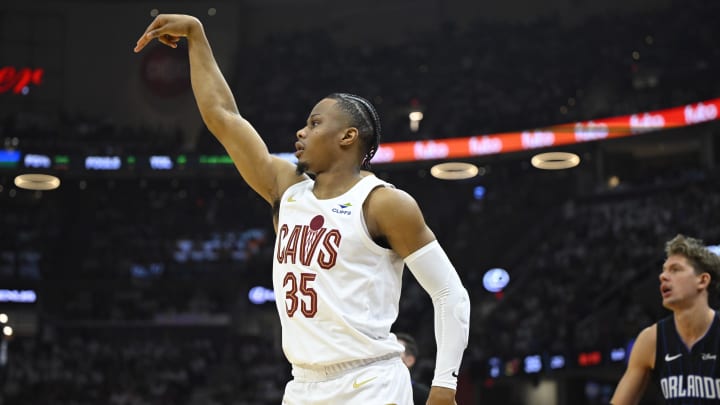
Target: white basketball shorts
(382,382)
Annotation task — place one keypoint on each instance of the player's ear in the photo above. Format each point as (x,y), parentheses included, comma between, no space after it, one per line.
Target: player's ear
(704,281)
(349,136)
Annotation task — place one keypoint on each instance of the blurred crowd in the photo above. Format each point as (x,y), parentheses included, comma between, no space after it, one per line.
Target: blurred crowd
(490,77)
(594,273)
(131,367)
(484,77)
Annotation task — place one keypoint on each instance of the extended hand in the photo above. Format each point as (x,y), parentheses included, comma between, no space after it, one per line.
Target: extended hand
(441,396)
(168,29)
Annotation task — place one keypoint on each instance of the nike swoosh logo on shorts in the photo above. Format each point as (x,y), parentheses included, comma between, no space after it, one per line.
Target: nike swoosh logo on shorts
(671,358)
(357,384)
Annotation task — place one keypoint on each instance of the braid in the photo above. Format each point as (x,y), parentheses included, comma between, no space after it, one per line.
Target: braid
(363,116)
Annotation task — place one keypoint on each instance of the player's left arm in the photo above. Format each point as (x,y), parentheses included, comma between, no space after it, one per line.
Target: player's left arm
(395,215)
(633,383)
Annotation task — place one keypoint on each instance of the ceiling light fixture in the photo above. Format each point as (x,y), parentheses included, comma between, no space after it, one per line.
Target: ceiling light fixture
(555,160)
(454,171)
(36,181)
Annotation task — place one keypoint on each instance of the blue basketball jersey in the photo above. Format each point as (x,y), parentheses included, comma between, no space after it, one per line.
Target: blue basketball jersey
(687,376)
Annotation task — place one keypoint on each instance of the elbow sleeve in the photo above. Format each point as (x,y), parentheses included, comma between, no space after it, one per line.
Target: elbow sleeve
(436,274)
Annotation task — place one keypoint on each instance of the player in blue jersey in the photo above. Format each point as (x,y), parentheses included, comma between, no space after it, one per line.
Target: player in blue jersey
(681,351)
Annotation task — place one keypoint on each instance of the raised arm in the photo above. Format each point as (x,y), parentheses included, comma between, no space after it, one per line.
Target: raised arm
(632,385)
(269,176)
(395,216)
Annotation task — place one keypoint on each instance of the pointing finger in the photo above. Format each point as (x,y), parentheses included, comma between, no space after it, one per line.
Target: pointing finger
(145,38)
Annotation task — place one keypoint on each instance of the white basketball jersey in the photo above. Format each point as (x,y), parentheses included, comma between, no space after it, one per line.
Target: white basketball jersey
(337,291)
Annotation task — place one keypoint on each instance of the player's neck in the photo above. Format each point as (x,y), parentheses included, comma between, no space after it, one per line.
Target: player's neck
(333,183)
(692,323)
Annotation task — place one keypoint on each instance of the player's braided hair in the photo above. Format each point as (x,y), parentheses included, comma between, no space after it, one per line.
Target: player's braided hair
(365,118)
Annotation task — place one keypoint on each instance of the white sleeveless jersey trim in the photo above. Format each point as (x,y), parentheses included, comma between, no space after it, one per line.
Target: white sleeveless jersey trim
(364,230)
(337,292)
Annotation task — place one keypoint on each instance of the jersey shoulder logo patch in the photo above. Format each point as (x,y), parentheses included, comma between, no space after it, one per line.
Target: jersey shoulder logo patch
(709,356)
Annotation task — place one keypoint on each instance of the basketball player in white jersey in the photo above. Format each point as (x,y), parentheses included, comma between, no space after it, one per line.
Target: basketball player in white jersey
(342,239)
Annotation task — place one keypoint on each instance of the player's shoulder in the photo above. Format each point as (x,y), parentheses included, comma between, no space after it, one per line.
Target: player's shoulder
(644,347)
(390,198)
(647,340)
(388,209)
(649,332)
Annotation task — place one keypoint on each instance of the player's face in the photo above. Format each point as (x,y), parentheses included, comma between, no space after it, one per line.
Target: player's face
(317,141)
(679,283)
